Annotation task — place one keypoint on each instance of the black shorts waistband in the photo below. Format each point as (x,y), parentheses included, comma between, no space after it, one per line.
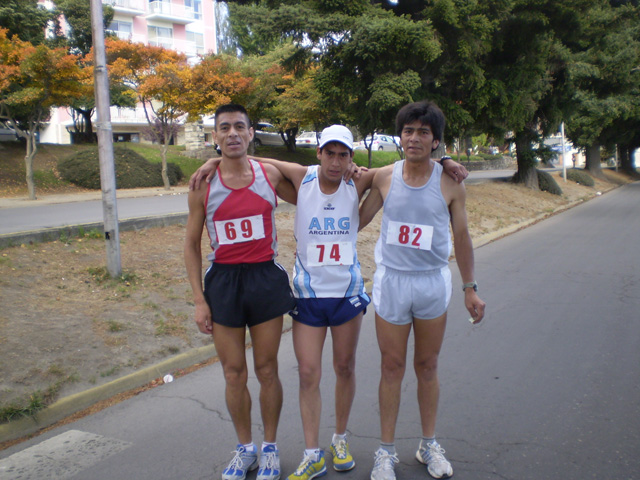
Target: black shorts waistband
(240,266)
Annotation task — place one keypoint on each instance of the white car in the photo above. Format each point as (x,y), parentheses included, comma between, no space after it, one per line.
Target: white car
(307,140)
(7,134)
(381,142)
(267,134)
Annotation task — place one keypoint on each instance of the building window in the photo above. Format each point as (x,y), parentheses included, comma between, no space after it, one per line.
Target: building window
(123,30)
(161,37)
(196,43)
(196,6)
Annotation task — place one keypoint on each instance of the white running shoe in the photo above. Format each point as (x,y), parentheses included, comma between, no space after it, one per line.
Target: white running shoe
(432,455)
(383,465)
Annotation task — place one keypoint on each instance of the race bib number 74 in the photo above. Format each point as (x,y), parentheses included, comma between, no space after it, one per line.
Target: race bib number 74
(410,235)
(238,230)
(327,254)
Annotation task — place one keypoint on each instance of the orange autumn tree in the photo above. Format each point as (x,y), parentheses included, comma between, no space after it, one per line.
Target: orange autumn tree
(169,88)
(216,80)
(33,80)
(160,78)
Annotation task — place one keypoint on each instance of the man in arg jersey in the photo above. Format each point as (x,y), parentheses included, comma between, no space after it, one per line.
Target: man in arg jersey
(328,287)
(243,287)
(412,283)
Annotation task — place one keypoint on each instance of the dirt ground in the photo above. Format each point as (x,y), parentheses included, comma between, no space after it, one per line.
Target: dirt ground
(65,327)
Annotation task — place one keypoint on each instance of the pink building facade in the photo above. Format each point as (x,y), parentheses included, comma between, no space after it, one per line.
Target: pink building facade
(187,26)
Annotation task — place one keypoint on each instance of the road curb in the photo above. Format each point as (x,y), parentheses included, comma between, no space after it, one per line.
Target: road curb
(54,233)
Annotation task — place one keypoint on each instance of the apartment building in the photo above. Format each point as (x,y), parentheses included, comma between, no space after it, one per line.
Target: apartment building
(187,26)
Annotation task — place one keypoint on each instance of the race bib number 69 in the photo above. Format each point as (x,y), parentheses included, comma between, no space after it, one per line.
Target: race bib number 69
(238,230)
(410,235)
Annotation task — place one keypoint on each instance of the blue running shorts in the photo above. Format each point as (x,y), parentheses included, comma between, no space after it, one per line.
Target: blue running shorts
(329,312)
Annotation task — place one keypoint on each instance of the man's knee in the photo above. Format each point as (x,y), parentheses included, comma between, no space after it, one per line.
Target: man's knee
(235,375)
(426,367)
(393,366)
(309,375)
(267,371)
(345,367)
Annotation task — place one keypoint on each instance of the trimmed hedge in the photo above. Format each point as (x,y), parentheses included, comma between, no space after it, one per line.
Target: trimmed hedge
(132,169)
(547,183)
(581,177)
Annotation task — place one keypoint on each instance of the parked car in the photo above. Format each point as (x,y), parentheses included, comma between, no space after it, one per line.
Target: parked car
(381,142)
(307,140)
(267,134)
(7,134)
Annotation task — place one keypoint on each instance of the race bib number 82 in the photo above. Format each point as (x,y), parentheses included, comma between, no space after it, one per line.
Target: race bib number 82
(411,235)
(238,230)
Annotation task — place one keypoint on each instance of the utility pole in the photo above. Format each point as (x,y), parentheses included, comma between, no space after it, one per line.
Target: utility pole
(564,164)
(105,143)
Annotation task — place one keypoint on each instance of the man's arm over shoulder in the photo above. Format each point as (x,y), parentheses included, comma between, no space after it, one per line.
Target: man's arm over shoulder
(365,180)
(294,172)
(193,255)
(374,201)
(463,245)
(284,188)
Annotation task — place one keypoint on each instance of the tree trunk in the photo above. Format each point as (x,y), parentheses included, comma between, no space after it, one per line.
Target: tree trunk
(87,133)
(28,163)
(526,173)
(165,175)
(290,138)
(593,160)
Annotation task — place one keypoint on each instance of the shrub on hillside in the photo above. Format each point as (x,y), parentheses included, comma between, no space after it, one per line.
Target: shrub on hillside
(581,177)
(132,169)
(547,183)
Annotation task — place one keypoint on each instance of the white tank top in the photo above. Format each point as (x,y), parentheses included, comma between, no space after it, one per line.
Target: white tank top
(414,234)
(326,230)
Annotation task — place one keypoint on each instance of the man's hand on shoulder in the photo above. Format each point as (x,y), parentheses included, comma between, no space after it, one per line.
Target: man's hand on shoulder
(206,172)
(455,170)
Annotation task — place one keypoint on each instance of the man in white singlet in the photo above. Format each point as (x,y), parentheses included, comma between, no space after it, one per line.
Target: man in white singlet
(412,283)
(243,287)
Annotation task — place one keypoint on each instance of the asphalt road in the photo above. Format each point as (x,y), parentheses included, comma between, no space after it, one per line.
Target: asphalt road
(547,387)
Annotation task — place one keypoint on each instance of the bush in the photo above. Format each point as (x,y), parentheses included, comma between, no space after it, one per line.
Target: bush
(581,177)
(547,183)
(132,169)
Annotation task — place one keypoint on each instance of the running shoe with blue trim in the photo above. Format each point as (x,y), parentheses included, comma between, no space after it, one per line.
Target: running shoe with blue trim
(432,455)
(342,459)
(310,468)
(269,464)
(242,463)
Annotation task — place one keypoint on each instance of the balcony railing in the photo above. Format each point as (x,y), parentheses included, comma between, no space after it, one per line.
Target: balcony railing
(170,11)
(127,6)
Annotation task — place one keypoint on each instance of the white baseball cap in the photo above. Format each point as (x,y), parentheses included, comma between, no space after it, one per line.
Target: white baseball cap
(336,133)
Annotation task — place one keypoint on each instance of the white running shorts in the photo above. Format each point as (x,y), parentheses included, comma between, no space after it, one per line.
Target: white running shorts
(399,297)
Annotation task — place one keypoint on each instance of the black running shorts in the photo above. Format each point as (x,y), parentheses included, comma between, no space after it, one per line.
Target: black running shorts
(246,294)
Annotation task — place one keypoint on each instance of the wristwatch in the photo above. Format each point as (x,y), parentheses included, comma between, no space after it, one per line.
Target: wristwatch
(473,285)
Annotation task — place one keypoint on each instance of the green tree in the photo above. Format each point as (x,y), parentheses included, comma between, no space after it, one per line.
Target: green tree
(606,74)
(25,19)
(77,13)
